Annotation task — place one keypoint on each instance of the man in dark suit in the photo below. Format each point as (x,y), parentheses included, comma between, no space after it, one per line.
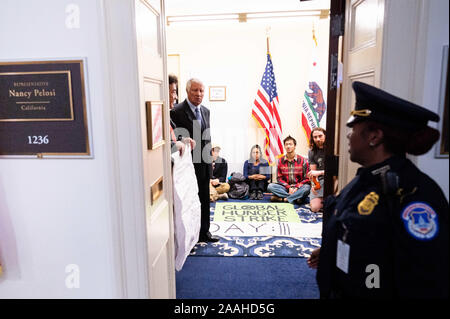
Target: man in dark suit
(192,120)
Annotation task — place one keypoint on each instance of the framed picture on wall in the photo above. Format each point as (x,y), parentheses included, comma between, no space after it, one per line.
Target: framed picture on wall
(155,126)
(217,93)
(442,145)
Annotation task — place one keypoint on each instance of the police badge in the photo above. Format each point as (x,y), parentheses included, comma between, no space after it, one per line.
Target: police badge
(366,206)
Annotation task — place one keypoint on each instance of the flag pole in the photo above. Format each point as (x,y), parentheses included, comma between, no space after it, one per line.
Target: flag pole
(314,34)
(267,37)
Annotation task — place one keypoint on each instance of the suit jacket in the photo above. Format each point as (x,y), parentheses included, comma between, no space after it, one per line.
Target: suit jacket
(183,117)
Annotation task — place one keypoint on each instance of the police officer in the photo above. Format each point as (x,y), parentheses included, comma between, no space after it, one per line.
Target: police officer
(386,234)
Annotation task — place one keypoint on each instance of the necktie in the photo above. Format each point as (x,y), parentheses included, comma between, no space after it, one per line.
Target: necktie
(198,116)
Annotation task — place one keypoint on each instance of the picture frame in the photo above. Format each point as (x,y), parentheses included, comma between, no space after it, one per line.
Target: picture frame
(217,93)
(155,124)
(441,148)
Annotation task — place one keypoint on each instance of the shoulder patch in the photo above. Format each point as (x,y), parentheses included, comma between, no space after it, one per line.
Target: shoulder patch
(420,220)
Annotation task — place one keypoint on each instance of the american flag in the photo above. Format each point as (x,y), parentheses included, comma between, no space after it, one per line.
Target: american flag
(265,112)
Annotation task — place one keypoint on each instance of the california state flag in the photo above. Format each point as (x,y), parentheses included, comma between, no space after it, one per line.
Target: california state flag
(314,107)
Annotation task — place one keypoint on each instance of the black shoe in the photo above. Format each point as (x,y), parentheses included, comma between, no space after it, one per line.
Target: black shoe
(260,195)
(253,195)
(208,238)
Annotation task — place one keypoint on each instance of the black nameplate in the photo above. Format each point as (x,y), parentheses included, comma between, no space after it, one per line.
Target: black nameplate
(43,109)
(36,96)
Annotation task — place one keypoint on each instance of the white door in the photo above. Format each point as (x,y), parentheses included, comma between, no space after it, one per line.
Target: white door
(149,15)
(362,57)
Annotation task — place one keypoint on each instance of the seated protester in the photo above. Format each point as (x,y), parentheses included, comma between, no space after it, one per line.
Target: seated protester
(293,184)
(257,173)
(218,188)
(316,159)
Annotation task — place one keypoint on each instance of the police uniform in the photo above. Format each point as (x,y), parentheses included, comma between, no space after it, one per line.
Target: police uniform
(386,233)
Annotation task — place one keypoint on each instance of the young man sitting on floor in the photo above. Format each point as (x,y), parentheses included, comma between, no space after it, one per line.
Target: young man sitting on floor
(292,185)
(316,160)
(218,187)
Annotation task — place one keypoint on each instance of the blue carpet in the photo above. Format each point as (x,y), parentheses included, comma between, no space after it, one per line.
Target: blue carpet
(246,278)
(262,246)
(257,247)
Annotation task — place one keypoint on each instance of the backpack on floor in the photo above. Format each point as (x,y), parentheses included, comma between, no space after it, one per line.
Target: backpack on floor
(238,187)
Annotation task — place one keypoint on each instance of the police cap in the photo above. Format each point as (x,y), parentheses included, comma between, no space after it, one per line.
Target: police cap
(377,105)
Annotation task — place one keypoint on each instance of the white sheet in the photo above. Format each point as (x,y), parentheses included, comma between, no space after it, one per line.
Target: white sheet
(186,206)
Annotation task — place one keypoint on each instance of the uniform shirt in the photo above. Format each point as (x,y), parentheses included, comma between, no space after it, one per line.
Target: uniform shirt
(403,232)
(292,173)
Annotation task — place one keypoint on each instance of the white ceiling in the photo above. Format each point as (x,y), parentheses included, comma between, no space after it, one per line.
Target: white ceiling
(187,7)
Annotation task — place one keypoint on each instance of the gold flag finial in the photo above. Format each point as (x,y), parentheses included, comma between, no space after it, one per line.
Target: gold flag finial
(314,34)
(267,37)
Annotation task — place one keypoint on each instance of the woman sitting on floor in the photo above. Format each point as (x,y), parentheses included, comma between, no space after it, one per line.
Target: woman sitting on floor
(257,173)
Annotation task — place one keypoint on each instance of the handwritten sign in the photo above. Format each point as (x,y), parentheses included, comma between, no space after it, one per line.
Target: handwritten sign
(264,212)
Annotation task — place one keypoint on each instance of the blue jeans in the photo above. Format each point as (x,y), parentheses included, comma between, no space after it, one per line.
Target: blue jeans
(280,191)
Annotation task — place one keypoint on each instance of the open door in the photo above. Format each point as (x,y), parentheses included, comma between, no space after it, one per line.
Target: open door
(138,114)
(150,40)
(362,57)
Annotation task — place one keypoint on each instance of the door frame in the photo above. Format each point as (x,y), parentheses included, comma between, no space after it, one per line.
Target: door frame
(126,166)
(402,71)
(337,23)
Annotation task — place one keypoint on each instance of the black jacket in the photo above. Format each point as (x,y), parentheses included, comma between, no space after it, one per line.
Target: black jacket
(401,228)
(187,126)
(220,170)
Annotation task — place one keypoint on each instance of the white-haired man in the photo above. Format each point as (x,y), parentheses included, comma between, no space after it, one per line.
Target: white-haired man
(192,120)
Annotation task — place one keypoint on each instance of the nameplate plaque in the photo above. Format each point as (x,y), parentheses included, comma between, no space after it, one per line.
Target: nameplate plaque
(43,109)
(36,96)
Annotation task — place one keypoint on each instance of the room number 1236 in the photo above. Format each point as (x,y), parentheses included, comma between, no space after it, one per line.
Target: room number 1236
(38,139)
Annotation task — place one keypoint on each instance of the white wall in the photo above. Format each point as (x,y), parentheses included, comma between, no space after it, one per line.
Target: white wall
(233,54)
(437,37)
(55,212)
